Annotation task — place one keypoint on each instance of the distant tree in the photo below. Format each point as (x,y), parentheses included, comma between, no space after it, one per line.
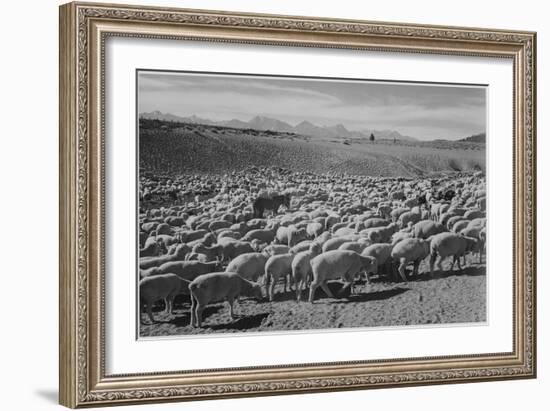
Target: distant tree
(371,138)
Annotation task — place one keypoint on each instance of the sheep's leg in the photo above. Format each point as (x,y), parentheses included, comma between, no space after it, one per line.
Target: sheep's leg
(301,285)
(169,303)
(401,270)
(198,315)
(325,288)
(453,262)
(266,283)
(415,267)
(440,263)
(458,263)
(272,288)
(312,289)
(231,302)
(193,313)
(150,312)
(432,261)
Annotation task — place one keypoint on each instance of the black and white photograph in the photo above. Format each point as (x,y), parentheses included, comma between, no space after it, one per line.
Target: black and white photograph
(281,203)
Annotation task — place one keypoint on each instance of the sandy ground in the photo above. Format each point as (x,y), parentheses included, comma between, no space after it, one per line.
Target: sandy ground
(448,297)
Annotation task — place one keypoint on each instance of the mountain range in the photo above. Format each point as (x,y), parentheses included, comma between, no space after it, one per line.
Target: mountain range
(305,128)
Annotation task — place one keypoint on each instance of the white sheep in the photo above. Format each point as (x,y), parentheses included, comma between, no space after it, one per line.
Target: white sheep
(231,248)
(179,254)
(380,251)
(408,217)
(451,244)
(426,228)
(338,264)
(262,234)
(219,286)
(301,268)
(249,265)
(188,270)
(163,286)
(410,250)
(276,267)
(274,249)
(314,229)
(336,242)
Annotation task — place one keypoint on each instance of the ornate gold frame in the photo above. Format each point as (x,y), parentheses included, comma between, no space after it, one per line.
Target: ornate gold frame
(83,30)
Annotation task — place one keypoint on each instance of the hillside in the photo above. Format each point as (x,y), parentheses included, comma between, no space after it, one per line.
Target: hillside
(476,138)
(305,128)
(186,147)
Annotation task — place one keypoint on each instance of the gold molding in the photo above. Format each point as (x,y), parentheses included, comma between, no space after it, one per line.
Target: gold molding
(83,28)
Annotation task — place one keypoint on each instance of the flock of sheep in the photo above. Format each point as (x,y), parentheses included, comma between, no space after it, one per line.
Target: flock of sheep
(243,233)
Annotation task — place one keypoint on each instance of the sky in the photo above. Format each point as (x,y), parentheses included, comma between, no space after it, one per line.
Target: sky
(423,111)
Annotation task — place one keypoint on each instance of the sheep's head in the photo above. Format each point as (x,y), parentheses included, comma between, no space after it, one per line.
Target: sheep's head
(256,291)
(315,248)
(181,250)
(473,244)
(369,264)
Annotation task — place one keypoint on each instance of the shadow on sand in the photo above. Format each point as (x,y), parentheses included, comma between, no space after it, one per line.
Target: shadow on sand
(243,323)
(467,271)
(375,295)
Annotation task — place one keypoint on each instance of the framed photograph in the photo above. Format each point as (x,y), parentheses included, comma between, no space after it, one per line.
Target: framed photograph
(259,204)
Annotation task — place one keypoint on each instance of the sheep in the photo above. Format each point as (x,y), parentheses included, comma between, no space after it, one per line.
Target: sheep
(216,225)
(384,211)
(382,234)
(262,234)
(410,250)
(407,217)
(460,225)
(153,249)
(301,268)
(277,266)
(229,234)
(179,254)
(453,220)
(396,213)
(344,231)
(483,241)
(188,270)
(208,239)
(426,228)
(374,222)
(450,244)
(234,248)
(302,246)
(164,286)
(188,236)
(212,252)
(353,246)
(313,230)
(275,249)
(334,243)
(331,220)
(219,286)
(333,264)
(290,235)
(380,251)
(197,257)
(473,214)
(400,235)
(249,265)
(164,228)
(167,240)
